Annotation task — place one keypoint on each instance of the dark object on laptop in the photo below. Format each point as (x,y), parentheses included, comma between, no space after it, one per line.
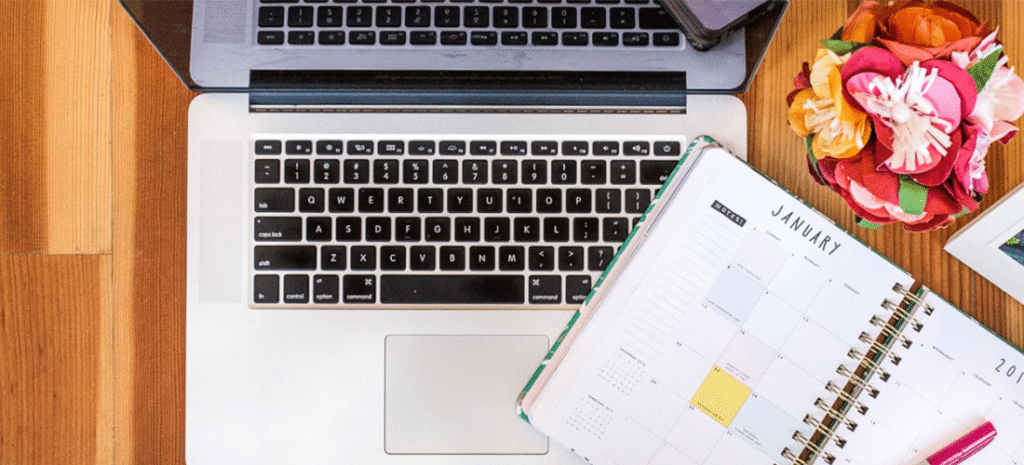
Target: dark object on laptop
(707,22)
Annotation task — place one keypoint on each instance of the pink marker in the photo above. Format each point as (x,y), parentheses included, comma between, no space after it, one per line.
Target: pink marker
(968,445)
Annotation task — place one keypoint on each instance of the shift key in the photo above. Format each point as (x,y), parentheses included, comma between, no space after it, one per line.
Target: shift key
(299,257)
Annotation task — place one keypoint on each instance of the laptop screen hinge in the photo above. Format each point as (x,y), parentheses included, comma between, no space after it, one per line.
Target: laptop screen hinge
(433,91)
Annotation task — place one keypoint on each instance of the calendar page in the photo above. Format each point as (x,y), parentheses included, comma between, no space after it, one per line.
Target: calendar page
(716,336)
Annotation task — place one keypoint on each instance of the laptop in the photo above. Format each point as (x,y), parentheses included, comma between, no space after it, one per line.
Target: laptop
(386,237)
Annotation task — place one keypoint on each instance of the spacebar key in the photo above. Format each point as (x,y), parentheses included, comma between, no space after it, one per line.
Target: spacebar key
(451,289)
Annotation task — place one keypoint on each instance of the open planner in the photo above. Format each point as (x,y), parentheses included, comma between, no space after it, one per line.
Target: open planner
(737,325)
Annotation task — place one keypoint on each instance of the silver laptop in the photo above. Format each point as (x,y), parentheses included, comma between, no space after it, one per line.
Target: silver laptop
(384,239)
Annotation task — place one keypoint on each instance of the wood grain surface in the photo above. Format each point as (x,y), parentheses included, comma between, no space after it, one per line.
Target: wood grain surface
(92,223)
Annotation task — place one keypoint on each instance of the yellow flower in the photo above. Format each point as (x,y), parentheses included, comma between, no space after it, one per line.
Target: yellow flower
(839,130)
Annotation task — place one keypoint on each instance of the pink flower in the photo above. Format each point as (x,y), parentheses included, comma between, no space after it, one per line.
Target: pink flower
(917,110)
(1002,98)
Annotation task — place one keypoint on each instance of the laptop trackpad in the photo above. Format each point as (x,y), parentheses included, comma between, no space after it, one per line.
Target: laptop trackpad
(456,394)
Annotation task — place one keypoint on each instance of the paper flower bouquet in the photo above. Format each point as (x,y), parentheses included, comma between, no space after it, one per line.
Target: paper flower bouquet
(900,107)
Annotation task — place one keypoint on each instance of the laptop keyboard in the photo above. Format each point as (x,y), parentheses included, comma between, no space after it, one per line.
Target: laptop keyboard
(362,221)
(466,23)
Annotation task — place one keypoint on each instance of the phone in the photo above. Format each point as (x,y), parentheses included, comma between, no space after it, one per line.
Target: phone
(707,22)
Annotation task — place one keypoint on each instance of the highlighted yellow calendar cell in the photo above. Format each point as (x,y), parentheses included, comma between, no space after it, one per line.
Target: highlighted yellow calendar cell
(720,396)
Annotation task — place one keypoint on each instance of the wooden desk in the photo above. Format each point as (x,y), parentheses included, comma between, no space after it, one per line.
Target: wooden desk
(92,224)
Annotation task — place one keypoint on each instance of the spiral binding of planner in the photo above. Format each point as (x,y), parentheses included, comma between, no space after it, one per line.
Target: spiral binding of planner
(883,348)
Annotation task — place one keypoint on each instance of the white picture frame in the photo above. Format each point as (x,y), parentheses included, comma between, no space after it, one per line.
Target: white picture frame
(978,243)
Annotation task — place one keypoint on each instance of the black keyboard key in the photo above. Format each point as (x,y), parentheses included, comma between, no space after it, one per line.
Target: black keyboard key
(623,172)
(281,257)
(460,200)
(542,258)
(519,200)
(636,148)
(577,288)
(514,38)
(593,172)
(378,228)
(513,147)
(578,200)
(481,258)
(385,171)
(563,18)
(570,258)
(637,200)
(585,229)
(360,147)
(535,171)
(357,171)
(300,16)
(483,38)
(453,147)
(371,200)
(422,147)
(667,148)
(656,18)
(606,39)
(415,171)
(606,148)
(496,230)
(535,17)
(274,200)
(446,172)
(489,201)
(474,171)
(266,289)
(341,200)
(417,16)
(271,16)
(422,38)
(349,229)
(476,16)
(333,257)
(526,229)
(392,258)
(363,257)
(318,229)
(506,16)
(593,18)
(545,289)
(311,200)
(359,16)
(446,16)
(544,147)
(544,38)
(270,37)
(453,258)
(298,147)
(359,289)
(666,39)
(636,39)
(608,201)
(422,258)
(467,229)
(329,147)
(326,289)
(362,37)
(570,147)
(622,18)
(556,229)
(453,38)
(268,147)
(389,16)
(392,38)
(429,200)
(326,171)
(563,172)
(287,229)
(457,289)
(400,200)
(296,171)
(391,147)
(407,229)
(511,258)
(437,229)
(296,289)
(575,38)
(330,16)
(656,171)
(332,37)
(504,172)
(549,200)
(615,229)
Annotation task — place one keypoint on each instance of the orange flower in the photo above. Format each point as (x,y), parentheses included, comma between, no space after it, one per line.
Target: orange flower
(839,129)
(920,31)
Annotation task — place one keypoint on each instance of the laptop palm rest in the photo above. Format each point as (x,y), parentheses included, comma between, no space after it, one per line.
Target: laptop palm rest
(455,394)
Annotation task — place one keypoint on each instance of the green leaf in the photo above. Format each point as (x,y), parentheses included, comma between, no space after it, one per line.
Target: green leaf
(961,213)
(912,196)
(867,224)
(982,70)
(842,47)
